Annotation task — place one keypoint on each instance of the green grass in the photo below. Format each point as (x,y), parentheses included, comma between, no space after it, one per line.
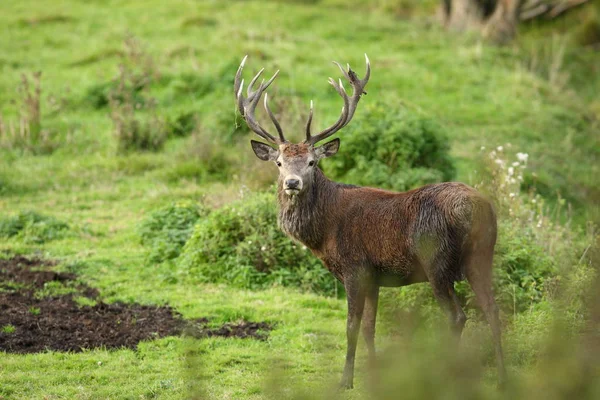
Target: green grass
(483,95)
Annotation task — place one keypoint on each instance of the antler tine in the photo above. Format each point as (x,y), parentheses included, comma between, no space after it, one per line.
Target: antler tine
(350,103)
(247,105)
(309,122)
(275,122)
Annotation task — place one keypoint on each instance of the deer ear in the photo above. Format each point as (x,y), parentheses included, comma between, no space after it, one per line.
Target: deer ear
(328,149)
(264,151)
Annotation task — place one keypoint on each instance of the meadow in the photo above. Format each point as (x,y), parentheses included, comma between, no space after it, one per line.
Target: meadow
(130,168)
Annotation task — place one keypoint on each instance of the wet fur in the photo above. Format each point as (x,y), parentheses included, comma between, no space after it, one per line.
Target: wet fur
(402,237)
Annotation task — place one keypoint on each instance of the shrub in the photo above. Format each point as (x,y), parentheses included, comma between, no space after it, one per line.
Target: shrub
(33,227)
(27,133)
(182,125)
(395,150)
(132,131)
(241,244)
(165,231)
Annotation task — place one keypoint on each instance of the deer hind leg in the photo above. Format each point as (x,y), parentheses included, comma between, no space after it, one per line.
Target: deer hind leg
(479,274)
(369,319)
(448,300)
(355,292)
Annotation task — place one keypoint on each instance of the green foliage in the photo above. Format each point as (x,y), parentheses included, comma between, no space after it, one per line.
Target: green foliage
(8,329)
(396,149)
(182,125)
(33,227)
(165,231)
(98,95)
(241,244)
(522,267)
(135,134)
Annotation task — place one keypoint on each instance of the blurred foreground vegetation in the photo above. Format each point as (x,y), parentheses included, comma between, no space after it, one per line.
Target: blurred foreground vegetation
(121,156)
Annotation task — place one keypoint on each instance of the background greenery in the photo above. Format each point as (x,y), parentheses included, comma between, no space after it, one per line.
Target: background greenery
(132,146)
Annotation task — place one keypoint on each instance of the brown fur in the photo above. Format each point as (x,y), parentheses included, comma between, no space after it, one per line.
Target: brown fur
(369,238)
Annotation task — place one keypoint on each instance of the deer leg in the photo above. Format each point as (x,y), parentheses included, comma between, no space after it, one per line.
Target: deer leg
(355,293)
(479,276)
(369,319)
(459,319)
(448,300)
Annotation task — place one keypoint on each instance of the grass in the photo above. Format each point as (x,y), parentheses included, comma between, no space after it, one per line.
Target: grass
(483,95)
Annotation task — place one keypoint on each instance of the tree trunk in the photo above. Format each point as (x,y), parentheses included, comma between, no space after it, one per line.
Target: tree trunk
(501,27)
(496,19)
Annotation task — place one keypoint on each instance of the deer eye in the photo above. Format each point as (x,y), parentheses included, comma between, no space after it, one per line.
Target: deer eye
(278,164)
(311,163)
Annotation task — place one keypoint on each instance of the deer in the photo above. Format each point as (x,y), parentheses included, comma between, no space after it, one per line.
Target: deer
(370,238)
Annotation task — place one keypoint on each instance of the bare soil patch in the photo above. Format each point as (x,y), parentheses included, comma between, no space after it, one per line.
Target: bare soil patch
(32,323)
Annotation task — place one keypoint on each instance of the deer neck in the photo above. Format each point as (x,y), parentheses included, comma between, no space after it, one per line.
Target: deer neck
(304,217)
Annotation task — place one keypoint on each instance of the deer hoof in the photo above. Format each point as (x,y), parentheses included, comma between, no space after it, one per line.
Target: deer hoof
(346,384)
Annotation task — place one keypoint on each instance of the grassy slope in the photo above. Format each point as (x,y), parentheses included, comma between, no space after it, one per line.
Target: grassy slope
(487,96)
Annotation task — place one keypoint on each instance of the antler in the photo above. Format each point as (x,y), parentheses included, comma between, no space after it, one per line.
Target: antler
(248,105)
(350,103)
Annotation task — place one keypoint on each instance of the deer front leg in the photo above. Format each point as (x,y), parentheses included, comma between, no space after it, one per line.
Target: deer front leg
(355,293)
(369,319)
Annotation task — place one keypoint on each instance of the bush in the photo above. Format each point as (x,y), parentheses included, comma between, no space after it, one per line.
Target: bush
(166,230)
(241,244)
(394,150)
(182,125)
(27,133)
(33,227)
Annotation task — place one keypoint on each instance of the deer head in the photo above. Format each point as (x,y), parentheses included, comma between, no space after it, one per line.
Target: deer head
(296,161)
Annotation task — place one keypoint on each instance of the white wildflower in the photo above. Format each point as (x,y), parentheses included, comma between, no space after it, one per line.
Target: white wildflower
(499,161)
(533,201)
(499,148)
(522,157)
(249,241)
(511,195)
(511,171)
(515,164)
(263,248)
(304,248)
(482,148)
(512,180)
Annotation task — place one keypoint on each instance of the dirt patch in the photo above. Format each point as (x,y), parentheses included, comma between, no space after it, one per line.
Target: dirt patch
(30,322)
(244,329)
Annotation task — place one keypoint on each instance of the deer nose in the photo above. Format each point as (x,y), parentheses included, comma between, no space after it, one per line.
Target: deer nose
(292,183)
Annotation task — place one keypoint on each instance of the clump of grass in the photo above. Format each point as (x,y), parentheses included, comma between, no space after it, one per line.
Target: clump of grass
(166,230)
(133,129)
(33,227)
(198,21)
(27,133)
(97,57)
(46,19)
(8,329)
(183,124)
(34,310)
(55,289)
(225,248)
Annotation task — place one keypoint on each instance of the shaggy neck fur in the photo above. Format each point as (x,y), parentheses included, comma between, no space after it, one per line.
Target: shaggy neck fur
(304,217)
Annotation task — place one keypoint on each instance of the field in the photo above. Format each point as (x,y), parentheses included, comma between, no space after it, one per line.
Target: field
(136,129)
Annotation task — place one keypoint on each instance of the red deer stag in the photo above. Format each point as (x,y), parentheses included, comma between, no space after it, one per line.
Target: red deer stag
(369,238)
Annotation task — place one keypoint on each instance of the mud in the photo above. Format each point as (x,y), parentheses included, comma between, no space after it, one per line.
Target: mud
(31,320)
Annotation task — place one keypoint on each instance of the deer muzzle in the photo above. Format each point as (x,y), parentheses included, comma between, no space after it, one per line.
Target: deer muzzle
(292,185)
